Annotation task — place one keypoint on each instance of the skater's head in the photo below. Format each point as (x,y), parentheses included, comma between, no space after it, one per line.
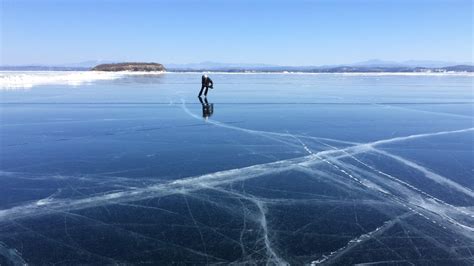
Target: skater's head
(205,76)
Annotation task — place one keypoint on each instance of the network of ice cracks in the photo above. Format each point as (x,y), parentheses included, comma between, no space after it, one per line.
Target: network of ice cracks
(348,171)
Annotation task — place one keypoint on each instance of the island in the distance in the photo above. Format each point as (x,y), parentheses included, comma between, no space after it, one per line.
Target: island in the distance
(138,67)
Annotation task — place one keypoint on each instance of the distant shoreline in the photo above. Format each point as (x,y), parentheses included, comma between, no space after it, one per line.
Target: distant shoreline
(343,69)
(447,73)
(322,73)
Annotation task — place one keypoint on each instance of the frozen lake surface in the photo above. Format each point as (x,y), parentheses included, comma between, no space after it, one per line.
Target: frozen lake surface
(288,168)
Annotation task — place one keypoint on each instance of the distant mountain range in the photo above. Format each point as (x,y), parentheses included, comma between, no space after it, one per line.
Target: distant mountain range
(373,65)
(216,65)
(409,63)
(368,63)
(78,66)
(333,69)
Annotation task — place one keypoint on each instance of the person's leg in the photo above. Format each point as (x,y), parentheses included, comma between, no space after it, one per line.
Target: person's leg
(200,92)
(205,92)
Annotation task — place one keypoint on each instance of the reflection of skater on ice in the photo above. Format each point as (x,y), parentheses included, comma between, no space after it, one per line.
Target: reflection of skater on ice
(207,108)
(206,83)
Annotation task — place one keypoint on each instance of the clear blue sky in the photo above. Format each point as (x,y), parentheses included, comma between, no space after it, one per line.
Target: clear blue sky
(293,32)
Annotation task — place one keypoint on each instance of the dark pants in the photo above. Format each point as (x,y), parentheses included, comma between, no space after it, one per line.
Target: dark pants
(205,92)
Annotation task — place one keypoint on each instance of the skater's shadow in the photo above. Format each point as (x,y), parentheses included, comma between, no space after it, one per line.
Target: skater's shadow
(207,108)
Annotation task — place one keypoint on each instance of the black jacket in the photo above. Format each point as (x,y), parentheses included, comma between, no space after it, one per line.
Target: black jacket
(207,82)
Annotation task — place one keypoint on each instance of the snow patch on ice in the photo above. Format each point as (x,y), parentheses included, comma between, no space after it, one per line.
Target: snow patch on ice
(28,79)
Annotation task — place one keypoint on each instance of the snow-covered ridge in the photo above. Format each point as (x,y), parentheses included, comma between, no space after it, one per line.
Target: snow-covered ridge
(28,79)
